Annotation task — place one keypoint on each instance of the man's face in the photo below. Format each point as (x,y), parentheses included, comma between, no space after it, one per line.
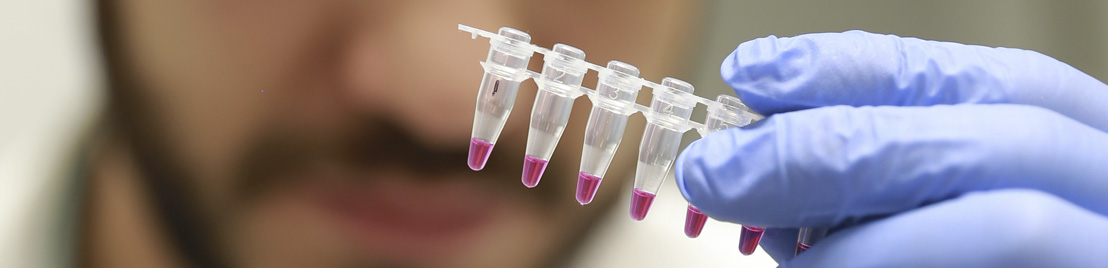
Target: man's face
(335,133)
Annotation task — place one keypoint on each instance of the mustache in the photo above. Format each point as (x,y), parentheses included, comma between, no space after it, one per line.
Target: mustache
(371,143)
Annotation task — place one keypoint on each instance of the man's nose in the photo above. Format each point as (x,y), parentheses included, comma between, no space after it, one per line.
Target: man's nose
(418,68)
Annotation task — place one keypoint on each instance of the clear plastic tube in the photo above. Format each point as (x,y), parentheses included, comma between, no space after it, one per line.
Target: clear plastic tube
(505,67)
(694,221)
(728,112)
(666,122)
(613,101)
(559,85)
(725,113)
(807,237)
(749,237)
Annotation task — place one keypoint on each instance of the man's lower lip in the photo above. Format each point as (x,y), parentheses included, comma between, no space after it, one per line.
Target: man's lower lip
(404,219)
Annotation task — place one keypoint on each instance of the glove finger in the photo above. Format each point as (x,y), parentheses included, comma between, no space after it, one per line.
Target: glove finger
(839,165)
(1001,228)
(774,75)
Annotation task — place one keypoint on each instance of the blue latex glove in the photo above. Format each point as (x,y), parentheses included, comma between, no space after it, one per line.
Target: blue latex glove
(917,153)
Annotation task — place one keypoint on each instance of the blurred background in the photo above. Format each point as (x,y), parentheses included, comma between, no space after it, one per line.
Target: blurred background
(51,90)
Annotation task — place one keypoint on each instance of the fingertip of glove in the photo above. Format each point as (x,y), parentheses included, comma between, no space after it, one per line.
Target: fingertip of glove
(760,69)
(773,75)
(741,66)
(716,172)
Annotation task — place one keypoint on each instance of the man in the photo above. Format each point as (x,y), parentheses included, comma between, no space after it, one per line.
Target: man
(179,177)
(334,133)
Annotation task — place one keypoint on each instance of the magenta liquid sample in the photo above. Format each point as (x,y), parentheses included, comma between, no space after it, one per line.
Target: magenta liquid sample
(801,247)
(586,187)
(694,222)
(749,238)
(479,151)
(640,204)
(532,170)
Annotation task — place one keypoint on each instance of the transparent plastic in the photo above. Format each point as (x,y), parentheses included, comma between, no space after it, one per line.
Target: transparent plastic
(666,122)
(749,238)
(694,222)
(504,69)
(670,110)
(613,101)
(725,113)
(640,203)
(558,85)
(807,237)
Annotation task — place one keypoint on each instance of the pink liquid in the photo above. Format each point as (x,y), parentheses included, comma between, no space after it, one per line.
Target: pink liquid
(748,239)
(801,247)
(532,170)
(694,222)
(586,187)
(640,204)
(479,151)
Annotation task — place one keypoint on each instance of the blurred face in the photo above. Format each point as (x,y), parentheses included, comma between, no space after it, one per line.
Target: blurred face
(335,133)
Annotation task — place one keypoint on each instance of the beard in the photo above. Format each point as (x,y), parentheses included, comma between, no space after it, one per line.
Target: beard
(196,229)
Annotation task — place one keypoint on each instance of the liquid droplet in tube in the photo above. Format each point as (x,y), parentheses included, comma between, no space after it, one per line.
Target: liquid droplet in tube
(749,238)
(532,170)
(586,187)
(640,204)
(479,151)
(800,248)
(694,222)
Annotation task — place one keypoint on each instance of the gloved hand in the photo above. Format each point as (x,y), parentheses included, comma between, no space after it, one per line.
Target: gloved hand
(916,153)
